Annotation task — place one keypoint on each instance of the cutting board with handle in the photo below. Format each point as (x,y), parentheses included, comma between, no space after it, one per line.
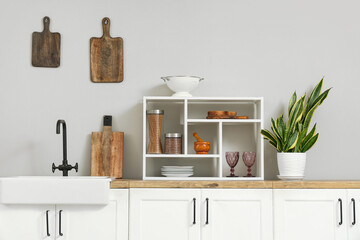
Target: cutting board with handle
(107,150)
(45,47)
(106,57)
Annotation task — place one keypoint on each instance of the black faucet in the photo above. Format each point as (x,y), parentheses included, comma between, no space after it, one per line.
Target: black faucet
(64,167)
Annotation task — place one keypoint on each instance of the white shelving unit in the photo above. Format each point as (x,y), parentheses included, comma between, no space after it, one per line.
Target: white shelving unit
(188,115)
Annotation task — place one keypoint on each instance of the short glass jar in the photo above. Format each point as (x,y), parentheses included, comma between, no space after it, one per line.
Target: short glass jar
(173,143)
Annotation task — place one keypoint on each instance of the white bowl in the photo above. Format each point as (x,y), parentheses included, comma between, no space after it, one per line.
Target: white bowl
(182,85)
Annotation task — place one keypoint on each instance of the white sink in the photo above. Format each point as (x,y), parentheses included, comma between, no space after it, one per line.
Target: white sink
(54,190)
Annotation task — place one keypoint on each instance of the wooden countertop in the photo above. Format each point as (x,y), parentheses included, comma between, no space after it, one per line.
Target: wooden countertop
(307,184)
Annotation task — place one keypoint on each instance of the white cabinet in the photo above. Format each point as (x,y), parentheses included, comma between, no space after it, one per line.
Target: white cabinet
(78,222)
(319,214)
(26,222)
(94,222)
(193,214)
(159,214)
(234,214)
(181,214)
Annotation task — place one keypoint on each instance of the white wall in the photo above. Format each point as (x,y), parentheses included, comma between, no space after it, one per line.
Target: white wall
(241,47)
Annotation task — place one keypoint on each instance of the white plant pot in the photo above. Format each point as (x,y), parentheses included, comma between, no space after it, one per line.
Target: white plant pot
(291,164)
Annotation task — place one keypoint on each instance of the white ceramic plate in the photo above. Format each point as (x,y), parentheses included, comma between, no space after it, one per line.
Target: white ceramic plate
(290,177)
(177,175)
(177,172)
(177,167)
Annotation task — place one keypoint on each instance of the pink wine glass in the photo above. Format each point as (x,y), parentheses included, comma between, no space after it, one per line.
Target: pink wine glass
(249,160)
(232,159)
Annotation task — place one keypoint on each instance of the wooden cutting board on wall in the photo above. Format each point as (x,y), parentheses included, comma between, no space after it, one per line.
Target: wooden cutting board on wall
(106,57)
(107,150)
(45,47)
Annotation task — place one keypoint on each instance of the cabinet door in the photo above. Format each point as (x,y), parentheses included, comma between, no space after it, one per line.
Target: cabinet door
(94,222)
(234,214)
(353,203)
(163,214)
(27,222)
(310,214)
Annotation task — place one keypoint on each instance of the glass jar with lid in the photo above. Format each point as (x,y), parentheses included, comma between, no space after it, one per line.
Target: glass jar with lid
(173,143)
(155,118)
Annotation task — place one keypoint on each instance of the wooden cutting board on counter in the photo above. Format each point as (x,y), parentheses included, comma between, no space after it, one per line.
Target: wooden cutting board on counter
(106,57)
(45,47)
(107,149)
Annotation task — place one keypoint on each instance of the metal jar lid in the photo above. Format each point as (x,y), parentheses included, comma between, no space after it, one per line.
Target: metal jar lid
(155,112)
(173,135)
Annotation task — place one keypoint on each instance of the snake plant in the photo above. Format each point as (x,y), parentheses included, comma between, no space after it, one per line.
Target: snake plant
(293,135)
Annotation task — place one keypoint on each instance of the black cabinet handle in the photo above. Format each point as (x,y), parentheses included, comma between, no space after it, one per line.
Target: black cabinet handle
(341,215)
(354,212)
(207,211)
(60,233)
(194,201)
(47,223)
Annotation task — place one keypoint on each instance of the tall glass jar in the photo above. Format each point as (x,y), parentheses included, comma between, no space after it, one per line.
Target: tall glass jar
(155,118)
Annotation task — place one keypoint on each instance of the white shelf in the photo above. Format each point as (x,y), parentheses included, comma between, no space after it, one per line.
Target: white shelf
(205,99)
(187,115)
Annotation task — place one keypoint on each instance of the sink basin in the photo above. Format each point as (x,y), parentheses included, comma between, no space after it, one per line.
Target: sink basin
(54,190)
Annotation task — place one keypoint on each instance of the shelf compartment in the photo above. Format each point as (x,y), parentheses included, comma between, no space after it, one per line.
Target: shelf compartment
(209,132)
(203,167)
(198,109)
(173,115)
(241,138)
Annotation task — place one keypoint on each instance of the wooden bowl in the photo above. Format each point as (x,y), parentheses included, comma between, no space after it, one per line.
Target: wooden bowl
(202,147)
(216,113)
(220,117)
(230,113)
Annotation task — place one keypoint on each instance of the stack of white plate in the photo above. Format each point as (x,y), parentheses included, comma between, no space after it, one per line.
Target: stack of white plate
(177,171)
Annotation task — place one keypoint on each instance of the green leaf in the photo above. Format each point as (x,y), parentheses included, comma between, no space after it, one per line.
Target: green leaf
(279,147)
(314,95)
(310,135)
(310,143)
(299,127)
(301,110)
(299,141)
(295,115)
(323,96)
(268,135)
(292,142)
(311,112)
(293,111)
(279,128)
(274,144)
(286,134)
(292,102)
(282,125)
(274,128)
